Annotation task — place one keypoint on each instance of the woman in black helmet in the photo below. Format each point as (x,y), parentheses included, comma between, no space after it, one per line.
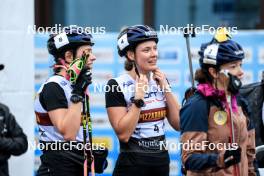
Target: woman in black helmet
(58,105)
(137,104)
(216,134)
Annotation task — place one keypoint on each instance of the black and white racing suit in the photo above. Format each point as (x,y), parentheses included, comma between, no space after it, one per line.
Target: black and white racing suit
(63,158)
(144,153)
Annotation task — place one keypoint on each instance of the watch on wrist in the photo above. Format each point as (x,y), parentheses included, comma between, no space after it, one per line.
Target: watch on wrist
(138,102)
(76,98)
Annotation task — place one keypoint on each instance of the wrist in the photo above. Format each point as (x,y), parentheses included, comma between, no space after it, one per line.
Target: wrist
(166,87)
(75,98)
(139,103)
(78,92)
(138,96)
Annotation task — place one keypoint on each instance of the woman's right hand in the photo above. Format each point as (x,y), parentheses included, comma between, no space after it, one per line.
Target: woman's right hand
(141,86)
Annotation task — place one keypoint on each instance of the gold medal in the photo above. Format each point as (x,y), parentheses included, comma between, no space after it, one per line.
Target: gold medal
(220,117)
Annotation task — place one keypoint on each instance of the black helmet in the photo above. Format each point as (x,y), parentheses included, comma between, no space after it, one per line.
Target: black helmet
(69,39)
(134,35)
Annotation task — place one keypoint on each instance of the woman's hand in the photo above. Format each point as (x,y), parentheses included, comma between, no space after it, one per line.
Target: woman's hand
(161,79)
(141,86)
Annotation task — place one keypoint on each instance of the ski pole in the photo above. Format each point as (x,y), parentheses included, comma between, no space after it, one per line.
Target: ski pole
(236,167)
(187,32)
(84,124)
(89,123)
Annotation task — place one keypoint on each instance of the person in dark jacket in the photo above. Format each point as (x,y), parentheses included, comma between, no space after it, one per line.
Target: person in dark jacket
(254,94)
(217,135)
(13,141)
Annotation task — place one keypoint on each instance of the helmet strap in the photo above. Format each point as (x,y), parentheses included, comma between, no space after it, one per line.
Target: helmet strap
(63,65)
(59,66)
(215,83)
(136,69)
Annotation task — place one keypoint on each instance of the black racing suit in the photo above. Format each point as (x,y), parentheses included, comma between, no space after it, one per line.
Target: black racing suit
(12,139)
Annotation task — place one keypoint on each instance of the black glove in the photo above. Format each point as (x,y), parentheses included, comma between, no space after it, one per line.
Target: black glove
(232,157)
(83,80)
(234,84)
(100,162)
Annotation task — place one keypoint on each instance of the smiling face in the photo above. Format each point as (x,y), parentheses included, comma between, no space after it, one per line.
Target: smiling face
(234,68)
(145,56)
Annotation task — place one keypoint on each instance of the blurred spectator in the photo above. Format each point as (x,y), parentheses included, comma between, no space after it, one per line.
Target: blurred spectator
(12,139)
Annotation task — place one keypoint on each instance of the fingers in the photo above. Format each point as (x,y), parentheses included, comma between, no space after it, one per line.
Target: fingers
(157,74)
(157,70)
(160,79)
(141,86)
